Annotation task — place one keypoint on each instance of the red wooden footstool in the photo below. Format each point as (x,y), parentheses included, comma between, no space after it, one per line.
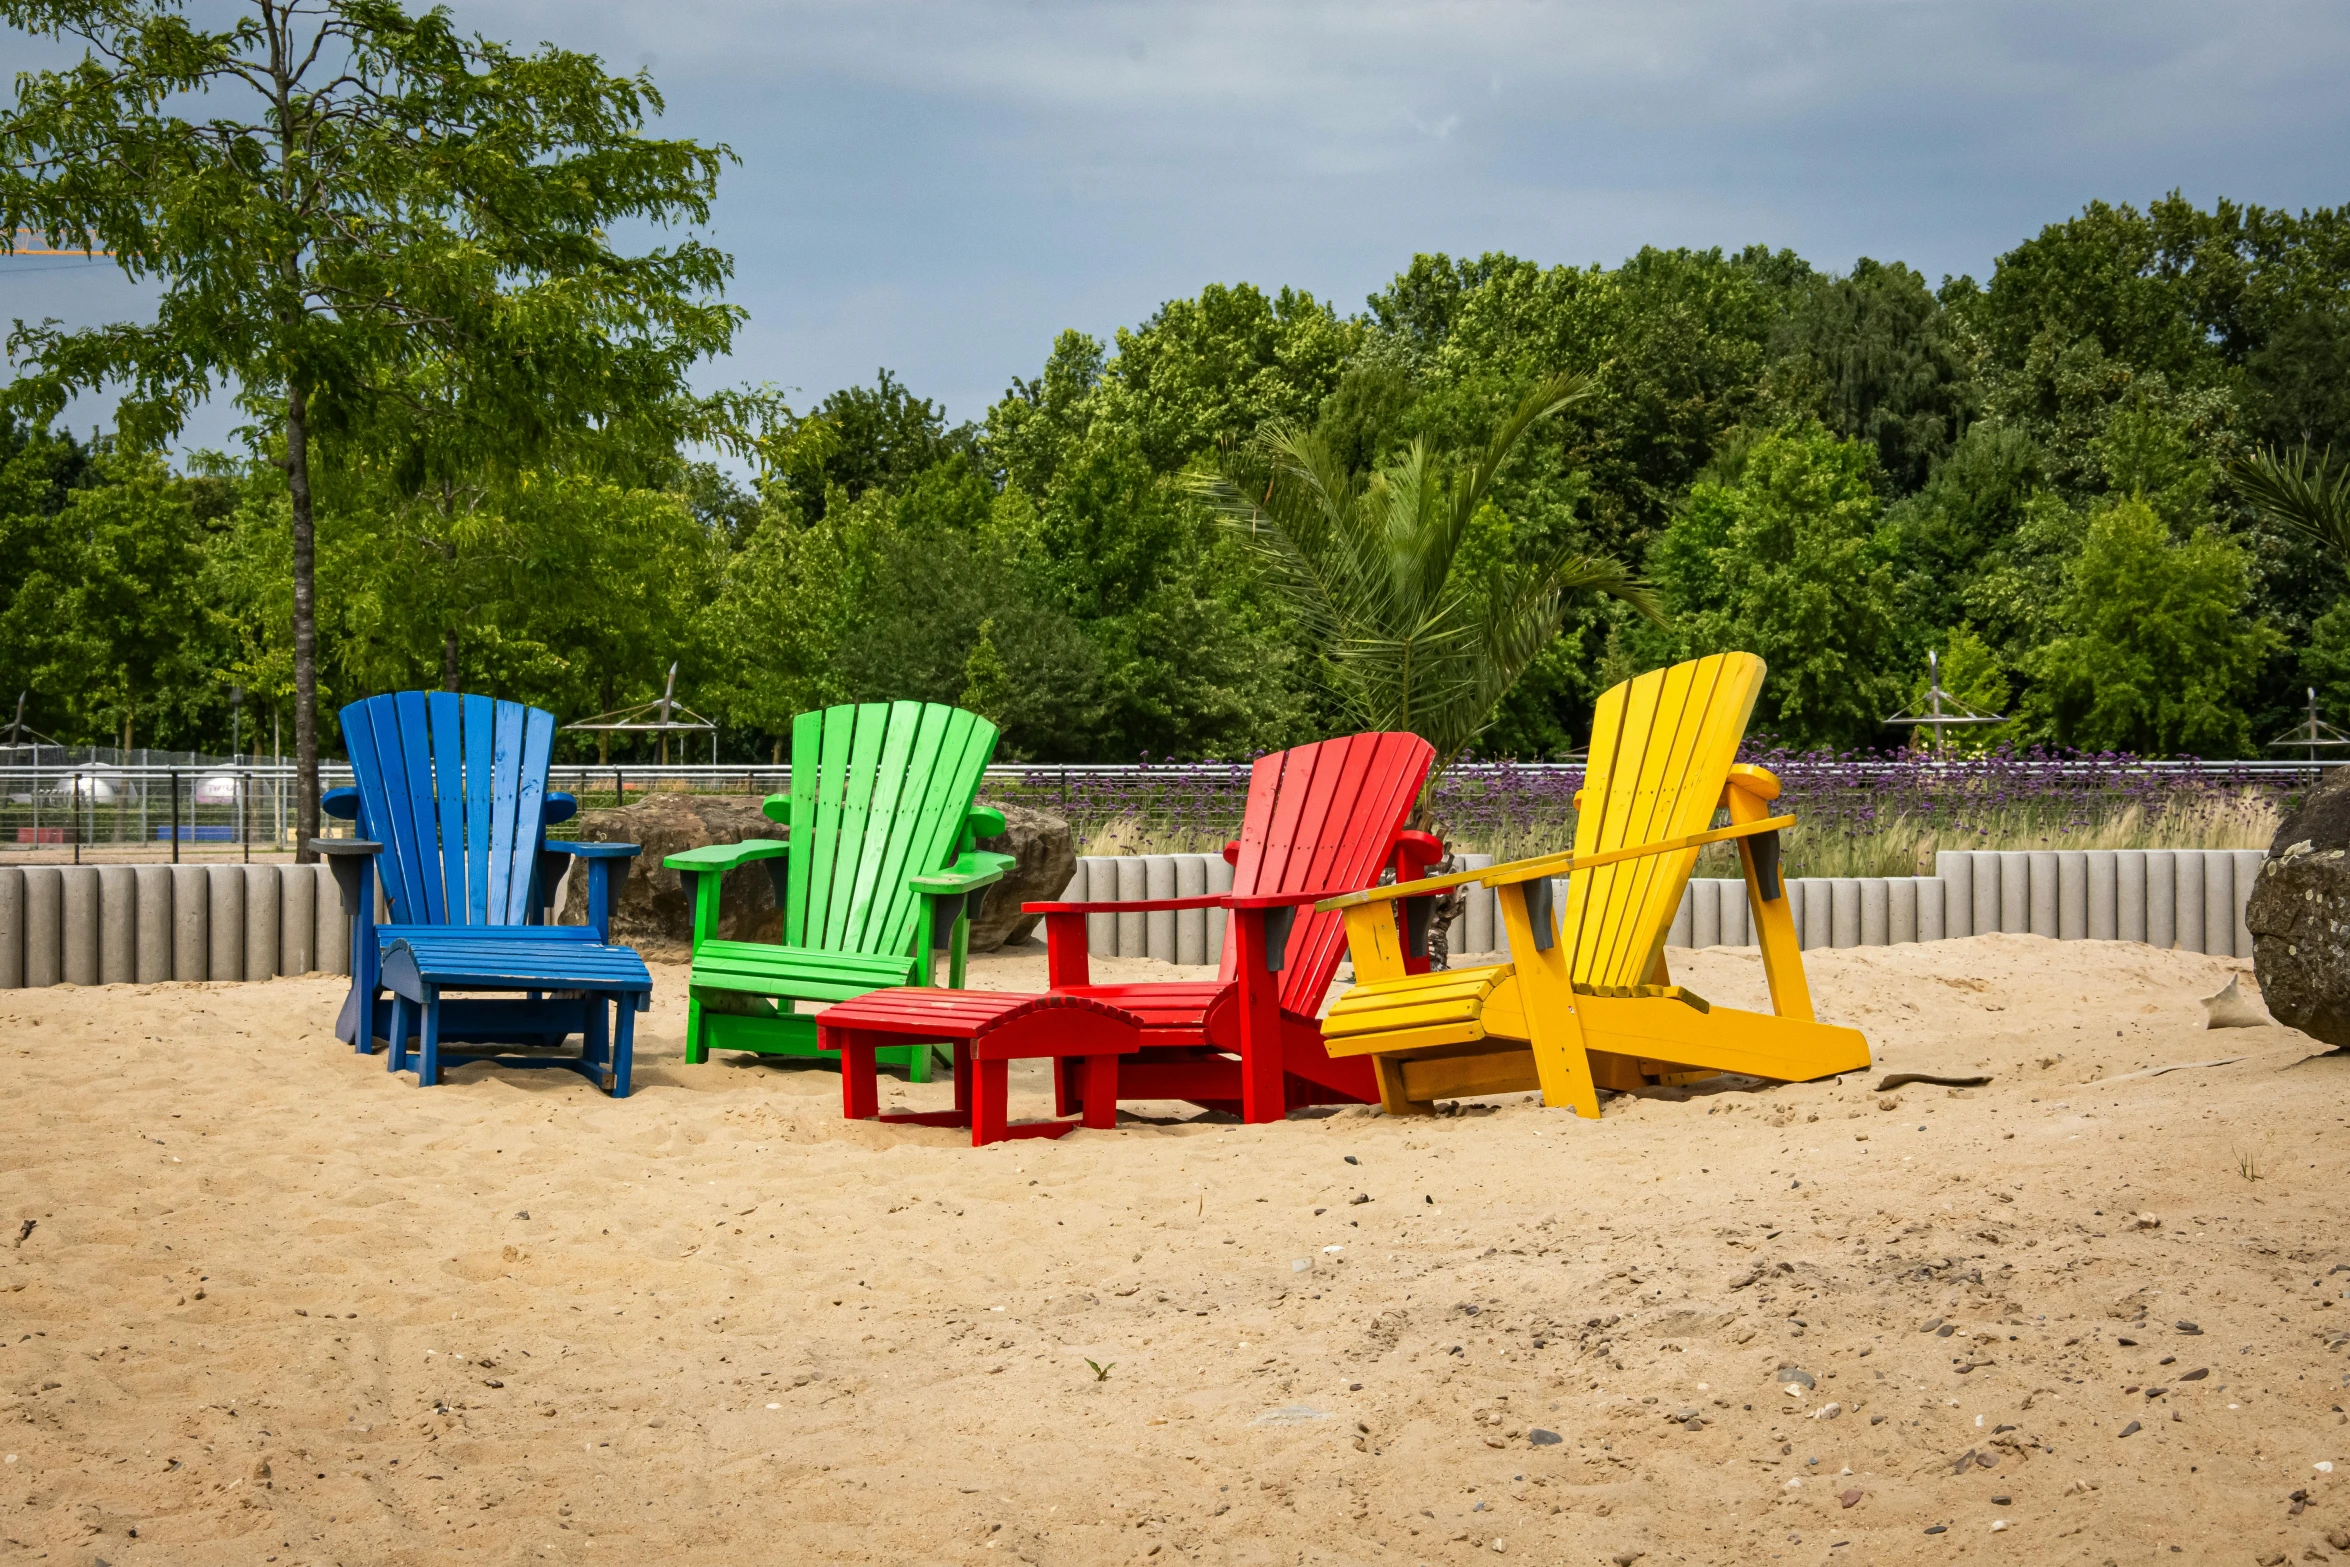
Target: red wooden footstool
(988,1029)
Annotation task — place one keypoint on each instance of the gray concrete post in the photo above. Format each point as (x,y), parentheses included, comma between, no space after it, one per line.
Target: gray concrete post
(1934,905)
(2188,911)
(2040,875)
(44,926)
(1737,916)
(1191,926)
(1815,912)
(1477,917)
(118,924)
(2129,895)
(11,928)
(2162,898)
(1096,885)
(2104,900)
(332,954)
(225,889)
(1219,880)
(1901,911)
(1158,927)
(1844,911)
(2219,903)
(1705,915)
(1957,873)
(151,954)
(77,923)
(297,920)
(261,920)
(191,923)
(2015,892)
(1677,934)
(1132,879)
(2072,895)
(2248,862)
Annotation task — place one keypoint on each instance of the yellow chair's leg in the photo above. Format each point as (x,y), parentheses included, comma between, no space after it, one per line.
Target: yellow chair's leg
(1392,1097)
(1774,921)
(1548,995)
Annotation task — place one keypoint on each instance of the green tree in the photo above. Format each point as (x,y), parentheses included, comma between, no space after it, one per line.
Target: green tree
(1384,574)
(1873,358)
(2155,654)
(1786,562)
(376,220)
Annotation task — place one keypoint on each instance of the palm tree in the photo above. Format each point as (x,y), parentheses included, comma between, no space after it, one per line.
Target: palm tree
(1413,638)
(2309,496)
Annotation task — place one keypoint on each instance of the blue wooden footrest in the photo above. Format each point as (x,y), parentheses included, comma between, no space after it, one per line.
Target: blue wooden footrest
(566,984)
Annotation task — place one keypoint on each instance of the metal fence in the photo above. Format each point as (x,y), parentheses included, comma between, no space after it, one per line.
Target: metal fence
(61,802)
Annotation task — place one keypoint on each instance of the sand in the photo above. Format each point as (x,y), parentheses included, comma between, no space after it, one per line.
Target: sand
(275,1305)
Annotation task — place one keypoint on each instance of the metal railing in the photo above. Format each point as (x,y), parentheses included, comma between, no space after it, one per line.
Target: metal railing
(53,799)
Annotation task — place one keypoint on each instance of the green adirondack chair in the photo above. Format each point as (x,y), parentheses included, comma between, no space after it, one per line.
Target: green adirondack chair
(878,870)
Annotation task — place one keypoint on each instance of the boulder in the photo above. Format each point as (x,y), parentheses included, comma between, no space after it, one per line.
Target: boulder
(654,911)
(1047,852)
(2299,916)
(653,908)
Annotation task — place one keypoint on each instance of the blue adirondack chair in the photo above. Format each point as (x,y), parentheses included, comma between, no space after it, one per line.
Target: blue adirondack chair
(451,807)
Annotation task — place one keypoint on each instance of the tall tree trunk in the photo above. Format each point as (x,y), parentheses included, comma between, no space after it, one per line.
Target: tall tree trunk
(305,626)
(449,659)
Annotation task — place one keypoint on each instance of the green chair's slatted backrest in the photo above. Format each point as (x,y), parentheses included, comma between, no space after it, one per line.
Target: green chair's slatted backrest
(879,793)
(1662,746)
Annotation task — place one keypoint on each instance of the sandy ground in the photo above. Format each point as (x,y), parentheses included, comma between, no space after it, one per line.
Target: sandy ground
(263,1302)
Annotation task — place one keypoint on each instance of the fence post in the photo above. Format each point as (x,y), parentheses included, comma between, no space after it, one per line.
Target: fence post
(175,818)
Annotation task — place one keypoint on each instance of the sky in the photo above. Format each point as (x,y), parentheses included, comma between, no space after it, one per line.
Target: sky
(940,189)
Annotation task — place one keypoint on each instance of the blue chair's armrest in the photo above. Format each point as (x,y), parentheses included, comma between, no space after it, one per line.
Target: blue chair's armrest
(557,807)
(350,859)
(342,804)
(595,851)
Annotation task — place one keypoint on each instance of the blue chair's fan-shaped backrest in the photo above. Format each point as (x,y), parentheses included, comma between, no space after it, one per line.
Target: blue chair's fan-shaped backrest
(454,788)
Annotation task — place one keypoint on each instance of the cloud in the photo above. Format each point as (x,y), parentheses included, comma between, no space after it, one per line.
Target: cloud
(940,187)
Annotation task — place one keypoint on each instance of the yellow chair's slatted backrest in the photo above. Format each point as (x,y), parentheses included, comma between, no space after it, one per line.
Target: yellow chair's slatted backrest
(1662,745)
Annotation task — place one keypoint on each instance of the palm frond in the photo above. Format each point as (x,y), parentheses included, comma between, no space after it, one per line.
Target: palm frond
(1371,568)
(2309,496)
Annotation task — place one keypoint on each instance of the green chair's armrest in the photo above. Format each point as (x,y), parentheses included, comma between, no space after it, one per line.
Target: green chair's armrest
(726,856)
(969,873)
(593,851)
(985,821)
(777,808)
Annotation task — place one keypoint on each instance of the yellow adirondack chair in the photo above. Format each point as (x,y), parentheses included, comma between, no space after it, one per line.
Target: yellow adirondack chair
(1585,1002)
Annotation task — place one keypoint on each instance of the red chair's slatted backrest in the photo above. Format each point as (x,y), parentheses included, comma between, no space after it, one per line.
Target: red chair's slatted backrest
(1323,818)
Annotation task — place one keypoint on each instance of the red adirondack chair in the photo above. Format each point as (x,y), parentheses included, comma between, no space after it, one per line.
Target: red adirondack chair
(1322,819)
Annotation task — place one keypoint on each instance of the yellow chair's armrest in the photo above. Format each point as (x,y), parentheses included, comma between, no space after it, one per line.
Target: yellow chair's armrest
(1747,778)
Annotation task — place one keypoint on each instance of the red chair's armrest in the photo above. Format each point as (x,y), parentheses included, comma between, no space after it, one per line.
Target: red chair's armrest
(1065,955)
(1138,906)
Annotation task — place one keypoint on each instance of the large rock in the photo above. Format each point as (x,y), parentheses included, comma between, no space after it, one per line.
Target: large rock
(1047,852)
(2300,916)
(653,907)
(654,910)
